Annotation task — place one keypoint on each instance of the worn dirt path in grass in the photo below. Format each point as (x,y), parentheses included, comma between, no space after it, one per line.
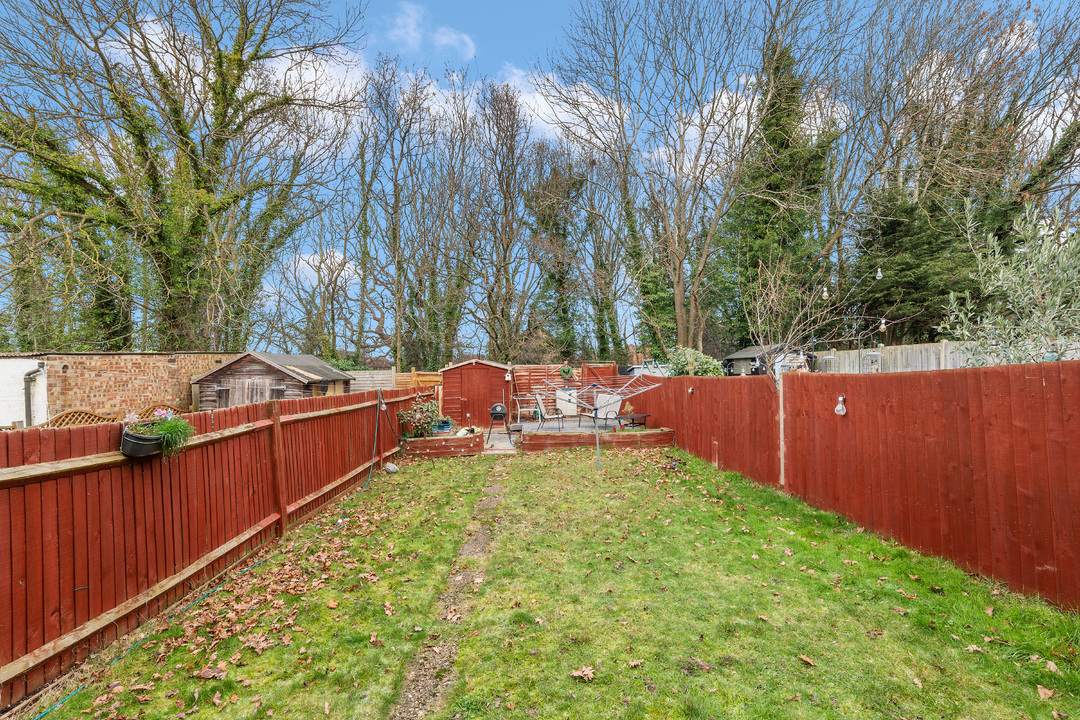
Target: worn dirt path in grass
(432,674)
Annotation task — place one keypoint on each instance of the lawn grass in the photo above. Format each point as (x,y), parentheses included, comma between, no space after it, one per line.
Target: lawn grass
(324,628)
(686,592)
(695,594)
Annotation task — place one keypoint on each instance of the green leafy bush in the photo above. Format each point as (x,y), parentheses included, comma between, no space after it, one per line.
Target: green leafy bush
(420,419)
(687,361)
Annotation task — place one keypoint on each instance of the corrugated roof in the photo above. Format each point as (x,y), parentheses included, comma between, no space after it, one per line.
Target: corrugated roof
(305,368)
(752,352)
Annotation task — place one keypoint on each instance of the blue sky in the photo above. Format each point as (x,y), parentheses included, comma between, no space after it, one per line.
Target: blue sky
(493,38)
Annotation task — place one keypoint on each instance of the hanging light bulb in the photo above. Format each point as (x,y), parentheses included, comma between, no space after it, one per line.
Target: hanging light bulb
(879,274)
(825,293)
(881,328)
(841,407)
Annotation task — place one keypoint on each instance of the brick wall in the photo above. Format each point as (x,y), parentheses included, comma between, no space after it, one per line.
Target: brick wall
(117,383)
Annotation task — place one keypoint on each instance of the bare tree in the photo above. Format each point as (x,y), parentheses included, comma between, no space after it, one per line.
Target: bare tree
(197,135)
(507,275)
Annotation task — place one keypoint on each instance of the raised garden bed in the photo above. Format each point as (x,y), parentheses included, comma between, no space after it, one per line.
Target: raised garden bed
(542,440)
(445,445)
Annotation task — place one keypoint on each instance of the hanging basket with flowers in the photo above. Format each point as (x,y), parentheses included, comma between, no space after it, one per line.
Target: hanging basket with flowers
(164,432)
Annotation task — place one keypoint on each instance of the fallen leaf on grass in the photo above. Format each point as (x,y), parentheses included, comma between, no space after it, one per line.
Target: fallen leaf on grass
(808,661)
(973,648)
(762,618)
(374,640)
(209,673)
(584,672)
(332,604)
(636,663)
(1045,693)
(918,683)
(326,708)
(691,666)
(388,608)
(990,610)
(1058,715)
(257,642)
(218,702)
(1051,666)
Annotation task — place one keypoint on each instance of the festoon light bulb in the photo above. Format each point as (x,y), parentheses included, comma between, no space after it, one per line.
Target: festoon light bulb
(879,275)
(841,406)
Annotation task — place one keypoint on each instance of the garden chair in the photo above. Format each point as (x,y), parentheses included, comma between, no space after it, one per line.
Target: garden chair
(607,408)
(546,414)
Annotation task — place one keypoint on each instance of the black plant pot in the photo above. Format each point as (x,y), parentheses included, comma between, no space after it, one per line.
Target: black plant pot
(134,445)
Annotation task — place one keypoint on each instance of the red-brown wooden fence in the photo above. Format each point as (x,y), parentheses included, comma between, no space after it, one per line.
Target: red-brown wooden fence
(981,466)
(92,543)
(732,422)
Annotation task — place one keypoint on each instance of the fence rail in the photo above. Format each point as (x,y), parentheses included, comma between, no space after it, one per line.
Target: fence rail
(980,465)
(92,543)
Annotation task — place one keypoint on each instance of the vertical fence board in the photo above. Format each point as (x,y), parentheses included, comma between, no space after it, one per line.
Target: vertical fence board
(1046,571)
(1069,473)
(6,584)
(35,590)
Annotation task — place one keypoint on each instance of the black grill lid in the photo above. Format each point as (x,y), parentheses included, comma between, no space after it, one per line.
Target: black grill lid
(498,411)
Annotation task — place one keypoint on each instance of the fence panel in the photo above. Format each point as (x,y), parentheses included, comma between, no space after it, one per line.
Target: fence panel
(94,543)
(978,465)
(740,415)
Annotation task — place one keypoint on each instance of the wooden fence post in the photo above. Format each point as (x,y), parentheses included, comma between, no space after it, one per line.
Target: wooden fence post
(277,465)
(780,384)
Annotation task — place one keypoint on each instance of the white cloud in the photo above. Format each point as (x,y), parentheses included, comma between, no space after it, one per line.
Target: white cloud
(407,28)
(544,114)
(410,31)
(449,39)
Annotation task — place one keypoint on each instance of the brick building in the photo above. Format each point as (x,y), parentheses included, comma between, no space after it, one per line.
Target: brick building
(104,383)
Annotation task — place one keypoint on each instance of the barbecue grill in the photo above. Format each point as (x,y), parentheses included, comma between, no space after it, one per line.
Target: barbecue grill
(498,413)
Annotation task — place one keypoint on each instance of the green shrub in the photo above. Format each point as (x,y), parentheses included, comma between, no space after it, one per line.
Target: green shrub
(687,361)
(420,419)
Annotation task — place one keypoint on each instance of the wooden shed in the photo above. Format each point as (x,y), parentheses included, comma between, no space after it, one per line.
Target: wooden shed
(258,376)
(470,389)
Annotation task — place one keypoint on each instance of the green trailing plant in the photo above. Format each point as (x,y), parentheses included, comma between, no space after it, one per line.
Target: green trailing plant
(173,430)
(420,419)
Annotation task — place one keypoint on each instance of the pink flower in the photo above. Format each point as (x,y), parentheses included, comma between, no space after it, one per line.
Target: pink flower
(162,414)
(131,418)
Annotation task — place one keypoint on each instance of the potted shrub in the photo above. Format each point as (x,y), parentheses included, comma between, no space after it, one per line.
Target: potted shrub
(164,432)
(420,419)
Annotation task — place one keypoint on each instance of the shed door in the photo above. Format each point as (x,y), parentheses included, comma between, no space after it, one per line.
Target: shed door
(474,395)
